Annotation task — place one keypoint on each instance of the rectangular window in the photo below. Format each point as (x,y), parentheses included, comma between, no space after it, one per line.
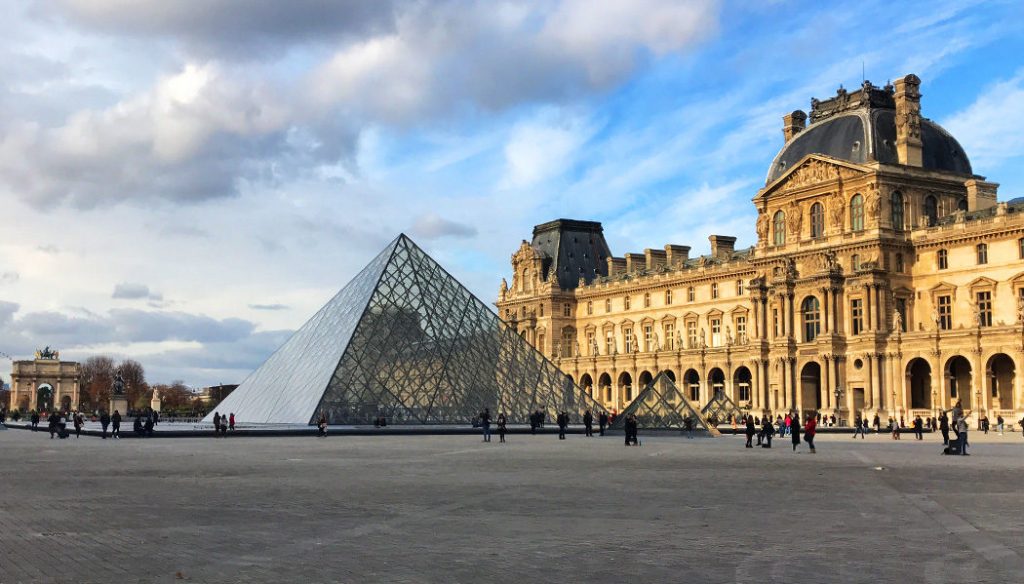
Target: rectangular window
(716,332)
(625,302)
(984,308)
(590,307)
(668,297)
(744,392)
(540,343)
(775,322)
(1020,248)
(739,287)
(945,312)
(714,290)
(541,310)
(591,344)
(689,294)
(899,263)
(741,329)
(982,253)
(943,256)
(628,335)
(691,334)
(855,262)
(670,337)
(566,309)
(609,343)
(856,316)
(648,338)
(647,300)
(608,305)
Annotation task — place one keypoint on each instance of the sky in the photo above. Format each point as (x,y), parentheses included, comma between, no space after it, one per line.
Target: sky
(185,183)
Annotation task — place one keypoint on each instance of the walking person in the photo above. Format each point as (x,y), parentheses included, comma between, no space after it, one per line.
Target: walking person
(794,429)
(961,426)
(35,421)
(919,428)
(751,430)
(485,423)
(809,430)
(115,425)
(602,422)
(858,428)
(588,424)
(768,430)
(1000,423)
(52,423)
(895,427)
(563,420)
(944,428)
(781,425)
(78,420)
(216,424)
(502,423)
(877,422)
(231,421)
(104,422)
(632,427)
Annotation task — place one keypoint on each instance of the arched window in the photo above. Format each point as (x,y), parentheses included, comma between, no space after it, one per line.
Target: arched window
(931,210)
(817,221)
(780,228)
(896,203)
(811,310)
(961,205)
(857,213)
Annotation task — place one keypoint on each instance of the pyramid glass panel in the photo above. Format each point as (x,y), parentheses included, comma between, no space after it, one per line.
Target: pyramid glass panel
(661,406)
(720,408)
(414,346)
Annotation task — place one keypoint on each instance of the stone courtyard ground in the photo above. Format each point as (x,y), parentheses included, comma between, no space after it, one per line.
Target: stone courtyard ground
(451,509)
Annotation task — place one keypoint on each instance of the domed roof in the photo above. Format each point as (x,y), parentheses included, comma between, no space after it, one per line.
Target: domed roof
(869,135)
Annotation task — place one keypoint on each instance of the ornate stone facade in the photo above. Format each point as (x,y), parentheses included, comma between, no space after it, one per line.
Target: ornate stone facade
(885,279)
(45,382)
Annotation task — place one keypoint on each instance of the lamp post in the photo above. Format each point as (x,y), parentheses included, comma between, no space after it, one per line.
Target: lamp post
(977,406)
(839,407)
(935,403)
(895,410)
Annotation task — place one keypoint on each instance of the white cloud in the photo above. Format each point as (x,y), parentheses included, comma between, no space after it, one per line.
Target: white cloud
(433,226)
(543,147)
(991,130)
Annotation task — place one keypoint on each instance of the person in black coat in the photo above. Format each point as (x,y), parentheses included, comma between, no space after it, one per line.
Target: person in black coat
(104,422)
(115,425)
(768,429)
(944,428)
(563,421)
(751,430)
(602,422)
(35,421)
(588,423)
(52,421)
(795,428)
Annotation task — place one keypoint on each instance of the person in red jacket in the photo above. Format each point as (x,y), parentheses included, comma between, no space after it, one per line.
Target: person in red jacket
(809,432)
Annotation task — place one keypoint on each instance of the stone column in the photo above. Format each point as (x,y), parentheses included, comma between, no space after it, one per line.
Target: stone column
(880,381)
(829,400)
(783,384)
(825,307)
(872,389)
(868,312)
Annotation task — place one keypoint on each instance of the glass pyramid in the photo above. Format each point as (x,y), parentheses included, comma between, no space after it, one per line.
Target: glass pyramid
(406,341)
(661,406)
(720,408)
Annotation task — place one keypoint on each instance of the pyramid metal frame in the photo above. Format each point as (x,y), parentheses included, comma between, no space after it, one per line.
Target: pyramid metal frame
(719,408)
(662,406)
(406,341)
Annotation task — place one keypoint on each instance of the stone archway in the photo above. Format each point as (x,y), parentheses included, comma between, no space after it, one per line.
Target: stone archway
(959,379)
(919,383)
(643,381)
(691,379)
(810,387)
(604,386)
(716,382)
(670,375)
(741,379)
(626,388)
(44,398)
(1000,373)
(587,383)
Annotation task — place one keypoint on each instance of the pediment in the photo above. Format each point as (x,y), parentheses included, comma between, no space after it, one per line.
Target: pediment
(813,169)
(943,287)
(1018,278)
(740,309)
(691,315)
(982,282)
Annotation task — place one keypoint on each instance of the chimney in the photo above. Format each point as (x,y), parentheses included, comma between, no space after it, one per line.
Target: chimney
(908,120)
(793,123)
(655,258)
(616,266)
(722,247)
(634,262)
(980,194)
(676,255)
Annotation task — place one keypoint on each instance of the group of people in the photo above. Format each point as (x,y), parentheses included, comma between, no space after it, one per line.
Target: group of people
(483,421)
(789,425)
(221,424)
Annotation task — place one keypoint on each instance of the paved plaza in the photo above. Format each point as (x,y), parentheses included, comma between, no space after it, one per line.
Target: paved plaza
(451,509)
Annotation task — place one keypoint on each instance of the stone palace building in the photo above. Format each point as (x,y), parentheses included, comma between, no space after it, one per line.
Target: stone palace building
(886,278)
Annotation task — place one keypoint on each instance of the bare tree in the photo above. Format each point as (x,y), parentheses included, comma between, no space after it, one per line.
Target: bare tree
(136,388)
(173,396)
(97,379)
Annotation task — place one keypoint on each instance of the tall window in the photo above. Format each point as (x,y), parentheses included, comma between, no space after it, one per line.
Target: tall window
(855,262)
(648,338)
(541,310)
(779,229)
(691,334)
(590,307)
(668,297)
(896,203)
(744,391)
(775,322)
(739,287)
(857,213)
(945,312)
(625,302)
(716,332)
(609,343)
(741,329)
(931,210)
(591,343)
(690,294)
(982,250)
(647,299)
(608,305)
(628,335)
(714,290)
(811,309)
(943,257)
(899,263)
(984,308)
(1020,248)
(567,309)
(817,221)
(856,315)
(670,336)
(901,308)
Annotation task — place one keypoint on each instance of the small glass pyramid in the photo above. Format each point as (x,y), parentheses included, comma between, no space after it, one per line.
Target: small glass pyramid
(719,409)
(661,406)
(406,341)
